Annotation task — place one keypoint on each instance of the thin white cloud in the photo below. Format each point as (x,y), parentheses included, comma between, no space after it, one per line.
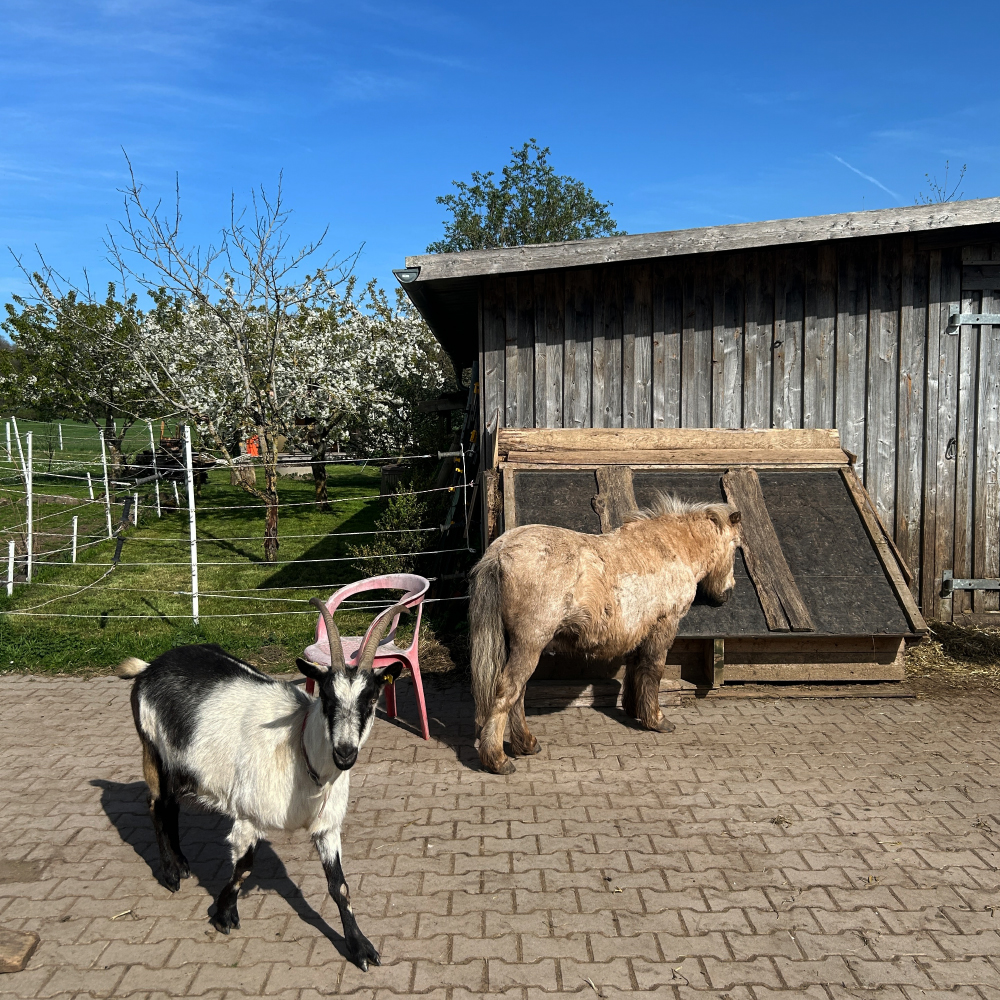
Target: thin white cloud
(867,177)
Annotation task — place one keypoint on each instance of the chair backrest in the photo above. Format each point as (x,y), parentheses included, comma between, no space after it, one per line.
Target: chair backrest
(415,588)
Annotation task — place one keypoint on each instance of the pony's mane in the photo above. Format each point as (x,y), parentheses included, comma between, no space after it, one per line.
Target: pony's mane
(668,503)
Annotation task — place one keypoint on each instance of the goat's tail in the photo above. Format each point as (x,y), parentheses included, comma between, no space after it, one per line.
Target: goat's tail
(132,666)
(486,633)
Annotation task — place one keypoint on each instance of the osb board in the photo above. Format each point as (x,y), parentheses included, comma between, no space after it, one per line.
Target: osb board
(827,548)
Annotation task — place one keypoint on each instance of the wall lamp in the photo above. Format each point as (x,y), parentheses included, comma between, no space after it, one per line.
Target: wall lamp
(406,275)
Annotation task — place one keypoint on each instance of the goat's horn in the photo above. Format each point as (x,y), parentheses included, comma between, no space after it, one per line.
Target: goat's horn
(382,623)
(332,634)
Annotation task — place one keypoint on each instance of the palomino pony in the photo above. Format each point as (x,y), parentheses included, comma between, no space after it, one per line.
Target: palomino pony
(545,589)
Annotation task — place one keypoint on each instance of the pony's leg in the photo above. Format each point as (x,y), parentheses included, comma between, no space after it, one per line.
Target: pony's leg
(649,666)
(521,662)
(522,743)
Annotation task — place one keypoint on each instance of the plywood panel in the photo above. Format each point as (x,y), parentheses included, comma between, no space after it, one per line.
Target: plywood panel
(696,346)
(883,368)
(637,338)
(758,339)
(819,339)
(727,343)
(853,268)
(579,317)
(789,306)
(668,322)
(910,422)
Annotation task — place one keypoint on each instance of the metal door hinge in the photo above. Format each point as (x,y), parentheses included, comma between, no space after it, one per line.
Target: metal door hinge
(956,318)
(949,584)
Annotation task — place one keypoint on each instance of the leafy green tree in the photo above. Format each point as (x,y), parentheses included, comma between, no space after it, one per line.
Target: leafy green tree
(65,360)
(530,204)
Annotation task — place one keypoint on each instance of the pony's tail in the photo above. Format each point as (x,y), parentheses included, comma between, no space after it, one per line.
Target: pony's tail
(486,634)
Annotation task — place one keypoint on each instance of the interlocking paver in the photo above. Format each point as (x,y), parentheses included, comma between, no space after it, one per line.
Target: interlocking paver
(808,848)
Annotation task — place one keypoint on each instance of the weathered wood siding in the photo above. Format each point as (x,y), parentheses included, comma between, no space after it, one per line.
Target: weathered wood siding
(850,334)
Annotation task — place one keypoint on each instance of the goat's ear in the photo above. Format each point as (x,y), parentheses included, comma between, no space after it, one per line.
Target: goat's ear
(734,518)
(387,675)
(314,671)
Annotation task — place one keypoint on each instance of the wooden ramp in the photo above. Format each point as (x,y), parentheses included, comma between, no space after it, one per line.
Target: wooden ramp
(821,595)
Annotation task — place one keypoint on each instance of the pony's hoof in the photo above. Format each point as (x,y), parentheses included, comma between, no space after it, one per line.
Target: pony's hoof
(663,726)
(506,766)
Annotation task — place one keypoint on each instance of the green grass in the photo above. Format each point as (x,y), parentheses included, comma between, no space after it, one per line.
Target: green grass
(230,530)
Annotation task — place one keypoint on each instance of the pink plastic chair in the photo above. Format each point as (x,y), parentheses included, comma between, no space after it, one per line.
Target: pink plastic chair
(388,652)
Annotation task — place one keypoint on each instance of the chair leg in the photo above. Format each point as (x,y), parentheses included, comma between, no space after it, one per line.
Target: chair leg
(419,688)
(390,700)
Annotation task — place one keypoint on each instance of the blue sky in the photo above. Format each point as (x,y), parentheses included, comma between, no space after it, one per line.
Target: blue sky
(682,114)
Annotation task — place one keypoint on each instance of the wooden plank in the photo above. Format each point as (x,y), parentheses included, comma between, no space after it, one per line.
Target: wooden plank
(986,508)
(852,351)
(727,343)
(656,438)
(943,554)
(743,236)
(786,392)
(910,421)
(929,591)
(615,500)
(981,277)
(886,556)
(776,588)
(637,357)
(606,381)
(696,346)
(492,504)
(579,315)
(715,662)
(804,671)
(819,338)
(510,351)
(524,400)
(802,646)
(550,329)
(758,338)
(965,452)
(668,322)
(494,349)
(883,381)
(509,507)
(682,456)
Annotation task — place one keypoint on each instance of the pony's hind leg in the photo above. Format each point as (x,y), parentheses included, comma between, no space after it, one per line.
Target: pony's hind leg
(521,663)
(522,742)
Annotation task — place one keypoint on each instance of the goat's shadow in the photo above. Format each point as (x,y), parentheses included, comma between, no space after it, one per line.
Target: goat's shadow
(203,840)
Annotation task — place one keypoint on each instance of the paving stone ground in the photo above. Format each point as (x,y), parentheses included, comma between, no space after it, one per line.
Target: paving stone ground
(803,847)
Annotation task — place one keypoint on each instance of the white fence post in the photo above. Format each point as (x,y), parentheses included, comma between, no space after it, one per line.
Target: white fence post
(10,457)
(10,569)
(192,524)
(177,499)
(135,508)
(90,486)
(20,453)
(30,484)
(107,486)
(156,474)
(60,438)
(76,522)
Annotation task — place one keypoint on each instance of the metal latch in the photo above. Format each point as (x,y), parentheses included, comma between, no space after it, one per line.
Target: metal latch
(949,584)
(957,319)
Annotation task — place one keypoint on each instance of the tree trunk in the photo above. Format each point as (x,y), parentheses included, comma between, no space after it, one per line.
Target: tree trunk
(319,480)
(270,514)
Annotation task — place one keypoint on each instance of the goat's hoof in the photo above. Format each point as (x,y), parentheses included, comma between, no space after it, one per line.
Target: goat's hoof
(226,922)
(185,868)
(172,881)
(363,952)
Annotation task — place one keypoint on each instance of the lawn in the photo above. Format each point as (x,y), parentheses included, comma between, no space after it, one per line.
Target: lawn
(143,606)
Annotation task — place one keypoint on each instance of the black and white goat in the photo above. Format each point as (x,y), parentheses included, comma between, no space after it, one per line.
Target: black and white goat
(259,750)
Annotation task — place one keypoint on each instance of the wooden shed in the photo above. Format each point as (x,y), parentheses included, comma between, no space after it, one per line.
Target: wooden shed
(884,325)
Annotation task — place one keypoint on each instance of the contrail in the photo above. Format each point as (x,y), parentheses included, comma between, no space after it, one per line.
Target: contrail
(867,177)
